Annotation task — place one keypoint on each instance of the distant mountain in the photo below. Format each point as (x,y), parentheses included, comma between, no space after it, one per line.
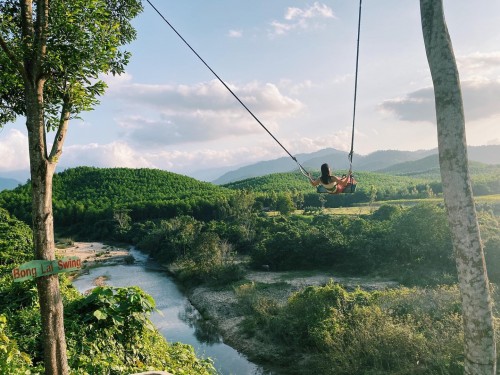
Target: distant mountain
(284,164)
(485,154)
(380,161)
(8,183)
(18,175)
(211,174)
(428,167)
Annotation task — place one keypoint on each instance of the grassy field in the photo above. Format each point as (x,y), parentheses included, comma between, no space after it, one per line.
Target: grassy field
(367,209)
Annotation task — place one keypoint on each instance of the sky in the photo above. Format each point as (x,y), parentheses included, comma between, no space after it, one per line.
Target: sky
(292,63)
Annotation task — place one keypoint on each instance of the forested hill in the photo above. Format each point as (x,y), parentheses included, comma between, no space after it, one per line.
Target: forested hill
(295,181)
(124,185)
(86,196)
(424,182)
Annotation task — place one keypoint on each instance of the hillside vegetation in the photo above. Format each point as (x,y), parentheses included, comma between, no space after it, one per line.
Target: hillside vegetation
(90,198)
(392,185)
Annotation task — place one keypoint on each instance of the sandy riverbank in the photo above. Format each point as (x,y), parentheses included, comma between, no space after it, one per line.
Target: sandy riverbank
(94,253)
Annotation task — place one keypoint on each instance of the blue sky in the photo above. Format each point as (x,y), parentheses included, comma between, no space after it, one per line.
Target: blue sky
(292,63)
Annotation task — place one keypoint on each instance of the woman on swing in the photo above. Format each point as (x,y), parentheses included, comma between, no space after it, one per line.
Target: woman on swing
(331,183)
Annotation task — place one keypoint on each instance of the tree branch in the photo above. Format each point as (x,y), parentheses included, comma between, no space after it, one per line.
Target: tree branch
(41,28)
(57,146)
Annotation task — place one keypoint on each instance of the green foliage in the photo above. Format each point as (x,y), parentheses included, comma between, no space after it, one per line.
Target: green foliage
(171,239)
(109,333)
(16,242)
(492,257)
(209,260)
(101,202)
(398,331)
(198,252)
(371,187)
(411,244)
(12,360)
(82,42)
(315,305)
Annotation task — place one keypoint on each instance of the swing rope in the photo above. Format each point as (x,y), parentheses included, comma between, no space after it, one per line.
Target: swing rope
(351,153)
(301,168)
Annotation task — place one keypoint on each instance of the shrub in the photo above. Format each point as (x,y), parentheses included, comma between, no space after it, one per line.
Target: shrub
(400,331)
(109,333)
(12,360)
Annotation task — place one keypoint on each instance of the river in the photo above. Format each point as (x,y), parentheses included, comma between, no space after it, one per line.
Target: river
(176,319)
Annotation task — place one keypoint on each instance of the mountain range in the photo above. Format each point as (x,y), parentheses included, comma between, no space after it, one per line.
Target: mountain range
(387,161)
(8,183)
(409,163)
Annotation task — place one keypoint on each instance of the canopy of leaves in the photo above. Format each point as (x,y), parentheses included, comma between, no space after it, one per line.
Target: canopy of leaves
(82,41)
(16,242)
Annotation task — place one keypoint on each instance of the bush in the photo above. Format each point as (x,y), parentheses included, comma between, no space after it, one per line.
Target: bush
(399,331)
(109,333)
(209,260)
(12,360)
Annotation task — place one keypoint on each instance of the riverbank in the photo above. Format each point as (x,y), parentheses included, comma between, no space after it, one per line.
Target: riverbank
(225,307)
(95,253)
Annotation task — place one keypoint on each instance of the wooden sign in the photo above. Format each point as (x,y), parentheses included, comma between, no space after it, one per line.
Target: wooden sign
(38,268)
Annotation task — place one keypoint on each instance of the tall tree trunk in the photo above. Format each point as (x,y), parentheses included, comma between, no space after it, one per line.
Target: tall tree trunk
(479,335)
(42,172)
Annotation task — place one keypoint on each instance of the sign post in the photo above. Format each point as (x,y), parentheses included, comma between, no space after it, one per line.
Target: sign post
(38,268)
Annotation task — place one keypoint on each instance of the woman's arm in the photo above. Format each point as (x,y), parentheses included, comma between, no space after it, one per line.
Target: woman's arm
(314,182)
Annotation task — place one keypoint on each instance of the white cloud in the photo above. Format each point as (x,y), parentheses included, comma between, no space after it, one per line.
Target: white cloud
(317,10)
(235,33)
(14,153)
(175,114)
(301,18)
(115,154)
(479,65)
(480,101)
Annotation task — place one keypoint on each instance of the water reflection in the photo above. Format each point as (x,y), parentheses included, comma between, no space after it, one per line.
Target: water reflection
(204,330)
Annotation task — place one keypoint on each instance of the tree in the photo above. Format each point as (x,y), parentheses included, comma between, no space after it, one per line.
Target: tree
(479,336)
(51,53)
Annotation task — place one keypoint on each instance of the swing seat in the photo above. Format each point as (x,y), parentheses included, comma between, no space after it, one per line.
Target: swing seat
(348,186)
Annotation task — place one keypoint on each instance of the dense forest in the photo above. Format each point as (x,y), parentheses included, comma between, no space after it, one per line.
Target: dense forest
(212,236)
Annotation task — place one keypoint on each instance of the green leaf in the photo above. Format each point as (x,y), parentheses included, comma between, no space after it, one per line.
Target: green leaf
(100,315)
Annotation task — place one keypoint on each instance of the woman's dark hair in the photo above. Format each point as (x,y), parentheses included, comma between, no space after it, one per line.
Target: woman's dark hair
(325,173)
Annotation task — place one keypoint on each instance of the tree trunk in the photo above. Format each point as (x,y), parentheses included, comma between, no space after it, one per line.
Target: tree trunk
(479,335)
(42,171)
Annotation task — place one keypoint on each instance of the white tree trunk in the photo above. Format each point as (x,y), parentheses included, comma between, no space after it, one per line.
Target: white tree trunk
(479,335)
